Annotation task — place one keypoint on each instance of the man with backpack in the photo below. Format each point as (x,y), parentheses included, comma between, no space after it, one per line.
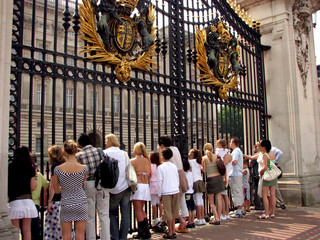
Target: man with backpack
(97,196)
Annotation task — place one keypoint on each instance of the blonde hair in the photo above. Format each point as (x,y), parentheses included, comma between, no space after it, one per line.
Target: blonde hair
(140,149)
(112,140)
(56,154)
(70,147)
(208,149)
(222,142)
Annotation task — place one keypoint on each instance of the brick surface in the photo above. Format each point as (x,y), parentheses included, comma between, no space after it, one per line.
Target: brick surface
(292,223)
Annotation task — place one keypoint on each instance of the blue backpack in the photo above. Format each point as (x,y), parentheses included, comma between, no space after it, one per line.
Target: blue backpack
(107,173)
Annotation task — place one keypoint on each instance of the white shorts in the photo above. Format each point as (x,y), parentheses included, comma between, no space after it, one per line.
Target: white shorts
(23,208)
(142,193)
(155,199)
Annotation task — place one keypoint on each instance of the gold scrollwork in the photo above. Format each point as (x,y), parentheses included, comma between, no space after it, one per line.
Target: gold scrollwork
(123,61)
(218,58)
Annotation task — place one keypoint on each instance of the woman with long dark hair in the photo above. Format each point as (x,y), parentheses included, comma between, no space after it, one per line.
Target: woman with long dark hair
(264,162)
(195,160)
(21,181)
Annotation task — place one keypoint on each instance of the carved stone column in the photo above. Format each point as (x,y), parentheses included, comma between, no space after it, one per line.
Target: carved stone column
(7,230)
(292,93)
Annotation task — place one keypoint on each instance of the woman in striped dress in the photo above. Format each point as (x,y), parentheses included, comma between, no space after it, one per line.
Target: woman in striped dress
(69,180)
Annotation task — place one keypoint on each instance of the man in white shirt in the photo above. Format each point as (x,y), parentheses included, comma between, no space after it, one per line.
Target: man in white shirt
(235,180)
(278,153)
(120,194)
(165,142)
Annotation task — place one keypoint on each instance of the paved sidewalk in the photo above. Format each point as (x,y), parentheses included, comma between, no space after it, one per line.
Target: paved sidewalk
(292,223)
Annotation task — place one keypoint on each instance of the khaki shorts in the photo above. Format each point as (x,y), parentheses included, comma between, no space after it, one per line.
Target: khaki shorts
(170,206)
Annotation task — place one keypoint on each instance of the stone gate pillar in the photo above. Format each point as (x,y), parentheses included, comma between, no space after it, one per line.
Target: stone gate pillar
(292,93)
(7,230)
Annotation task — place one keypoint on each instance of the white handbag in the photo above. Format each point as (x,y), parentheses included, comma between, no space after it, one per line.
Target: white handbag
(272,173)
(131,175)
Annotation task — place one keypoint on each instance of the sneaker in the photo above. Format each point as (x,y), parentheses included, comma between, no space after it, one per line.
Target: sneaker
(223,218)
(228,217)
(203,222)
(155,222)
(237,214)
(197,222)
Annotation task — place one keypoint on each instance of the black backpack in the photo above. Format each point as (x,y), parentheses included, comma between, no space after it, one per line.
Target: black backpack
(107,172)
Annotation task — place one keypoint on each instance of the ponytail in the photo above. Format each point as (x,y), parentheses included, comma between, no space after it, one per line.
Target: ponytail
(209,155)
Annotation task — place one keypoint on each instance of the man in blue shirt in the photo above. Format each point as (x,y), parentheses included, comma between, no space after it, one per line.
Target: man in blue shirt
(278,154)
(235,180)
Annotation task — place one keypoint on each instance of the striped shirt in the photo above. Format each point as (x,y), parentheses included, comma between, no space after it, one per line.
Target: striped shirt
(91,157)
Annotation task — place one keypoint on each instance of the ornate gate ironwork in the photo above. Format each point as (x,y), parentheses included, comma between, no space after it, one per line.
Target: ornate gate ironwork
(56,94)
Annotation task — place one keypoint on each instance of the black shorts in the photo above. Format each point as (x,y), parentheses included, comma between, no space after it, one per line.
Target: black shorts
(190,202)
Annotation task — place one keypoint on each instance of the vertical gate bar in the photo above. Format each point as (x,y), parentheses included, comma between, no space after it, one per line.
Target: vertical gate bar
(159,117)
(112,109)
(120,116)
(197,122)
(103,98)
(262,99)
(151,123)
(144,115)
(137,116)
(212,125)
(75,109)
(64,115)
(55,32)
(85,107)
(191,124)
(178,76)
(33,27)
(129,120)
(207,122)
(94,120)
(30,132)
(53,109)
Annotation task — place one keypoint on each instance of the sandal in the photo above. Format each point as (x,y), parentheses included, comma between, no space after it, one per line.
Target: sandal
(272,216)
(167,236)
(215,223)
(263,216)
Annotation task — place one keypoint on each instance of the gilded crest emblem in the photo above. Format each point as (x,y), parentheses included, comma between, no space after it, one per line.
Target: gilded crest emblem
(218,58)
(118,37)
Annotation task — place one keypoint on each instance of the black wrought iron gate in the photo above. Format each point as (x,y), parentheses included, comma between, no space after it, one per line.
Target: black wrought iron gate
(56,94)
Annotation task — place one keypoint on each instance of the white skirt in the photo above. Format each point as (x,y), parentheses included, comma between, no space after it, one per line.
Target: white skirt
(24,208)
(142,193)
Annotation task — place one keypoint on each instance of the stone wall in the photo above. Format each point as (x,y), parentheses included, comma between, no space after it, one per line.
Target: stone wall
(7,231)
(292,94)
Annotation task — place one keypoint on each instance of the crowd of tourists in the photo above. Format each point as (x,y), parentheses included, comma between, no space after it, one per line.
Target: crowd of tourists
(174,186)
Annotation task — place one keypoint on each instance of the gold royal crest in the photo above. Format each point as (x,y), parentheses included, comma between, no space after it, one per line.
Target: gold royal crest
(218,58)
(116,38)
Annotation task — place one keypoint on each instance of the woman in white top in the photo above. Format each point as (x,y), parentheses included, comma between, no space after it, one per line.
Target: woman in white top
(195,160)
(264,162)
(222,151)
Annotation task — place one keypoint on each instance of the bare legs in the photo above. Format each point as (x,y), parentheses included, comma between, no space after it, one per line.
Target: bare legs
(139,212)
(79,227)
(25,228)
(225,205)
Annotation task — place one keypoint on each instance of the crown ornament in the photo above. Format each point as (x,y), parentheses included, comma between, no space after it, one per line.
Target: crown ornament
(127,4)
